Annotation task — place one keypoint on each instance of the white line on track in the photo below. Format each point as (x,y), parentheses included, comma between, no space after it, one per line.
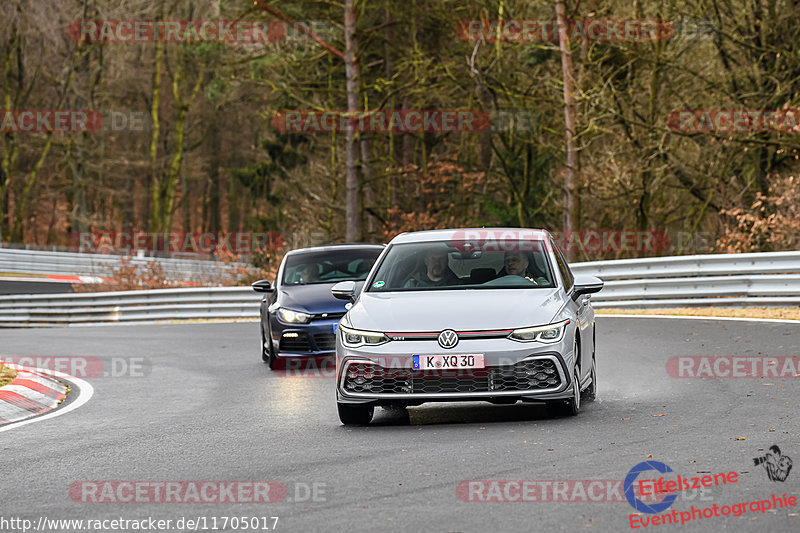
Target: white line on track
(692,317)
(85,392)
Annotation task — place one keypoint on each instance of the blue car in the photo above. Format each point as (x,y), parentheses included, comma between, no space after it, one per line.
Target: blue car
(298,313)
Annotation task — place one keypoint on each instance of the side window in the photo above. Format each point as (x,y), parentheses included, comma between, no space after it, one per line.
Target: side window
(566,274)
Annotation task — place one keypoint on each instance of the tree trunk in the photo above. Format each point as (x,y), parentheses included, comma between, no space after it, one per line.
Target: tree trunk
(234,201)
(352,209)
(154,206)
(569,121)
(168,200)
(369,188)
(215,145)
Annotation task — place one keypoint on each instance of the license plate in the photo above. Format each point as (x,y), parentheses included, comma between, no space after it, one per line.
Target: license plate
(439,362)
(334,328)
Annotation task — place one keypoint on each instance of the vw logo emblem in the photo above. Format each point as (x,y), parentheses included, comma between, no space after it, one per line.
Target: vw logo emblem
(448,338)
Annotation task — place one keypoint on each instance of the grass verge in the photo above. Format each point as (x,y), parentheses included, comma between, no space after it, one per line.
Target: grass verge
(7,375)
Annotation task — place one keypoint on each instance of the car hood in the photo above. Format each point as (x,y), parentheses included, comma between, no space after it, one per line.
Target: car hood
(315,298)
(456,309)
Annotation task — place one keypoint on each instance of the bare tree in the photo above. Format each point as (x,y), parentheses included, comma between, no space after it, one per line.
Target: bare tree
(569,120)
(352,209)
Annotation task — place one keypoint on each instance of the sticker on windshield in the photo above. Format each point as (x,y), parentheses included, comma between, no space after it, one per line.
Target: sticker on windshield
(378,284)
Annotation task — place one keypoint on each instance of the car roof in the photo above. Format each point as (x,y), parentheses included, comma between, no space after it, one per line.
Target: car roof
(467,234)
(337,247)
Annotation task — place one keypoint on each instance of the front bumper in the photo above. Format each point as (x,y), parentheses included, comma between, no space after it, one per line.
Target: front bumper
(524,371)
(315,339)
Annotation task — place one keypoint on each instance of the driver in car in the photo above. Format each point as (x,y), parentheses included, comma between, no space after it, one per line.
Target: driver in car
(309,273)
(437,273)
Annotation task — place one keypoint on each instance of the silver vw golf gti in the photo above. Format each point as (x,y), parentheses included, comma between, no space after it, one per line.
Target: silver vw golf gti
(463,315)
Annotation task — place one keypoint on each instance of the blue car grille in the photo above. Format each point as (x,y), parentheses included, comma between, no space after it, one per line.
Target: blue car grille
(325,341)
(527,375)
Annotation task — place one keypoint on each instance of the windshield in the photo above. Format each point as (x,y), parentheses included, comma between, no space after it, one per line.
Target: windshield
(329,266)
(446,265)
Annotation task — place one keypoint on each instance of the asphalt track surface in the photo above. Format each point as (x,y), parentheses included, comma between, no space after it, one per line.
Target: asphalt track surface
(208,409)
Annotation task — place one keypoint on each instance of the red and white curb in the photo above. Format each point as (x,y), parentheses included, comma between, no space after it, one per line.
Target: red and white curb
(31,393)
(41,393)
(58,277)
(80,279)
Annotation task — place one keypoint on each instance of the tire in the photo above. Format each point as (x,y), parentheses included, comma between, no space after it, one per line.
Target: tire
(591,391)
(266,350)
(355,415)
(572,406)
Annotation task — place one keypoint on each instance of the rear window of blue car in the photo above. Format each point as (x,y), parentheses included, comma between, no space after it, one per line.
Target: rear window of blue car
(445,265)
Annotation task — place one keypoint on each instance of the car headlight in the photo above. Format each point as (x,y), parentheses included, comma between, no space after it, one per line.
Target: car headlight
(293,317)
(353,338)
(549,334)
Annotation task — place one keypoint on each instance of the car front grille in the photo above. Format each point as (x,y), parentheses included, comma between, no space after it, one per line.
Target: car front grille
(527,375)
(531,374)
(325,341)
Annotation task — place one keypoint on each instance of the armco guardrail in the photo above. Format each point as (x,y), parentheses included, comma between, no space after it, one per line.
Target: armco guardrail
(128,306)
(766,279)
(102,265)
(769,279)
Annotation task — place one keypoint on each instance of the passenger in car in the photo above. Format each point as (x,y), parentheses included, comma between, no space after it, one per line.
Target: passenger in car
(518,264)
(437,273)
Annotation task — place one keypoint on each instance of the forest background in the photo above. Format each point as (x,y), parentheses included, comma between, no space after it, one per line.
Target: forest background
(580,137)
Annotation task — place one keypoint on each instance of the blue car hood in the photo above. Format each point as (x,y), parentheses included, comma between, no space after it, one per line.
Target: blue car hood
(315,298)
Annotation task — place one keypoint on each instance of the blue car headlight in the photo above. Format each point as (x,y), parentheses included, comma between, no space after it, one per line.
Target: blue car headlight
(549,334)
(294,317)
(353,338)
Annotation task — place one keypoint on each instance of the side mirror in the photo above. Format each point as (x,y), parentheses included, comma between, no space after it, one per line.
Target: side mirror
(586,285)
(344,290)
(262,286)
